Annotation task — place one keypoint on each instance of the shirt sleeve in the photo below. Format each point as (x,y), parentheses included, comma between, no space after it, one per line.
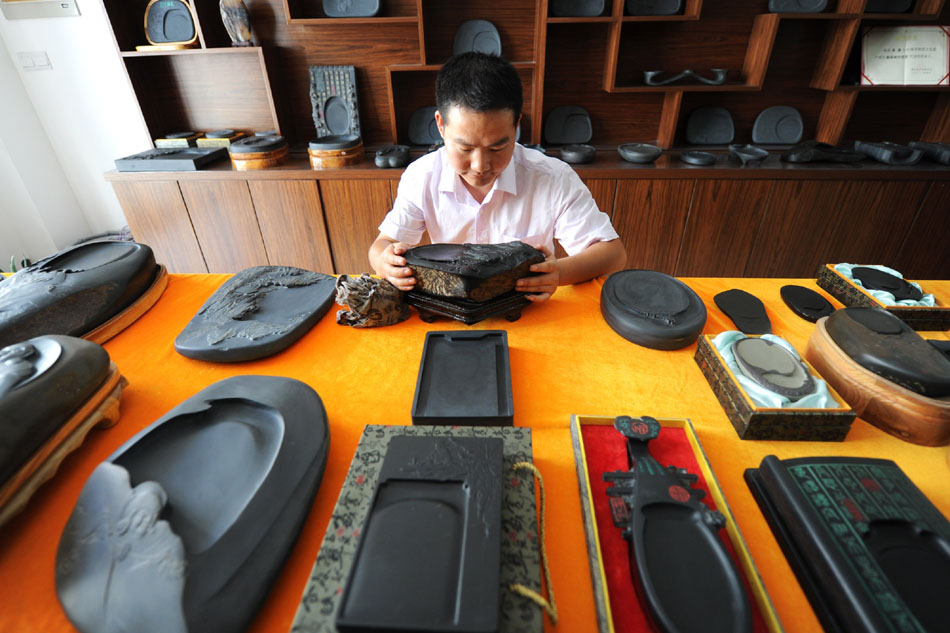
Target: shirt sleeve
(579,222)
(406,222)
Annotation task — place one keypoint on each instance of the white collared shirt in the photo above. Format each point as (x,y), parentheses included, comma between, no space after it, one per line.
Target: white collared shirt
(535,199)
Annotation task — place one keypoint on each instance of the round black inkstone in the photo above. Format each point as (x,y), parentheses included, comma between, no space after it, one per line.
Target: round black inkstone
(806,303)
(874,279)
(698,158)
(745,310)
(773,367)
(578,153)
(882,343)
(652,309)
(254,144)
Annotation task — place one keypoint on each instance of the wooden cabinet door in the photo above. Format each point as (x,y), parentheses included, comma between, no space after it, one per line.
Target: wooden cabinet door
(650,216)
(721,228)
(157,216)
(353,210)
(225,223)
(925,254)
(291,220)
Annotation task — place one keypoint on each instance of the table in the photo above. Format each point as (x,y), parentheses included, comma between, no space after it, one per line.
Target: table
(564,360)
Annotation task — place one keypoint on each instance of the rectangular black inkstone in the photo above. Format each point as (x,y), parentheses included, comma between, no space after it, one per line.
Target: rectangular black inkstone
(429,555)
(464,378)
(171,159)
(871,552)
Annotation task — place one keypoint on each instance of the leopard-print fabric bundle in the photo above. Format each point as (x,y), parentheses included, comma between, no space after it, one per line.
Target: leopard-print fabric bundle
(372,302)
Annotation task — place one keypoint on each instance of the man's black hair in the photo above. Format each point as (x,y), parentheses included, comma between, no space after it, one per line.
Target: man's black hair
(478,82)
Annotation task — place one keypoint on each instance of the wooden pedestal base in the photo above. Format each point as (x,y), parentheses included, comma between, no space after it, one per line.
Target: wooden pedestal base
(259,160)
(332,158)
(894,409)
(100,411)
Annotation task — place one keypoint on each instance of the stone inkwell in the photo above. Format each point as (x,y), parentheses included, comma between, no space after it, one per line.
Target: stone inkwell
(470,282)
(652,309)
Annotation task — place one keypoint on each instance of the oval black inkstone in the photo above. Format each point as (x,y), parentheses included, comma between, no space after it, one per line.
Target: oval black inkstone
(698,158)
(43,382)
(882,343)
(773,367)
(257,143)
(652,309)
(97,280)
(186,525)
(745,310)
(874,279)
(256,313)
(805,302)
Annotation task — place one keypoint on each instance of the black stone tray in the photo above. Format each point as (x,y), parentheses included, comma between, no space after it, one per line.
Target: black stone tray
(797,6)
(350,9)
(652,7)
(429,556)
(215,492)
(576,8)
(710,125)
(464,378)
(423,129)
(778,125)
(171,159)
(870,551)
(257,313)
(520,560)
(96,280)
(430,307)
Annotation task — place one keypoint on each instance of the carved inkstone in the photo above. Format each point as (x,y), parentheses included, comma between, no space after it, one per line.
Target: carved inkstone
(679,565)
(185,526)
(429,556)
(75,290)
(477,272)
(874,279)
(746,310)
(257,313)
(805,302)
(42,382)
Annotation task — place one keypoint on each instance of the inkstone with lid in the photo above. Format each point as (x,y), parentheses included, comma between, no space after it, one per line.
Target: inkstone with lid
(652,309)
(773,367)
(882,343)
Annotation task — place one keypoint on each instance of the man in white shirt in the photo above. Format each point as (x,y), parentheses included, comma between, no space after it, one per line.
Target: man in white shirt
(484,188)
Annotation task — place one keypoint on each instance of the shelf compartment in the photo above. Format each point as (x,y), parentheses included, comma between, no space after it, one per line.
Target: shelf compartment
(413,87)
(128,23)
(691,11)
(203,90)
(516,21)
(615,118)
(902,116)
(700,45)
(302,12)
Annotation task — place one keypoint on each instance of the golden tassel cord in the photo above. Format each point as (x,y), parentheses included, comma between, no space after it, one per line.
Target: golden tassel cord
(549,606)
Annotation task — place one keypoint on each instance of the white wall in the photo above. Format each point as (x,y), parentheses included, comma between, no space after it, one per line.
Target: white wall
(61,129)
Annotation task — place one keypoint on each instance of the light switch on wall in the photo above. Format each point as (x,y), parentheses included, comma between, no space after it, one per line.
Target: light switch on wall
(34,60)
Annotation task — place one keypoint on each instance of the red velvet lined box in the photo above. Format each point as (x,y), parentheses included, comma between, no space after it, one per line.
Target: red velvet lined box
(599,448)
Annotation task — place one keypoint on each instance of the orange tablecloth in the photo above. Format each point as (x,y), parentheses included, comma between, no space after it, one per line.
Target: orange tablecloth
(564,360)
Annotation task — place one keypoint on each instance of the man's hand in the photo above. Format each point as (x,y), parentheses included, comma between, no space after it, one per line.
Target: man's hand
(392,266)
(543,285)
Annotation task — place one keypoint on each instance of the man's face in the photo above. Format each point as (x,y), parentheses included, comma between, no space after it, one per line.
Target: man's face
(479,145)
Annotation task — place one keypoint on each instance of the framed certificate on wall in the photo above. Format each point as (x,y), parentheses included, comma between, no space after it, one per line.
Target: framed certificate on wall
(905,56)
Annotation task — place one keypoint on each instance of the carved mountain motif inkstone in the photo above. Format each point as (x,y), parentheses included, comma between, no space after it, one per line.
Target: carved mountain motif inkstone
(805,302)
(745,310)
(680,567)
(773,367)
(185,526)
(874,279)
(477,272)
(75,290)
(882,343)
(43,381)
(652,309)
(258,312)
(429,556)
